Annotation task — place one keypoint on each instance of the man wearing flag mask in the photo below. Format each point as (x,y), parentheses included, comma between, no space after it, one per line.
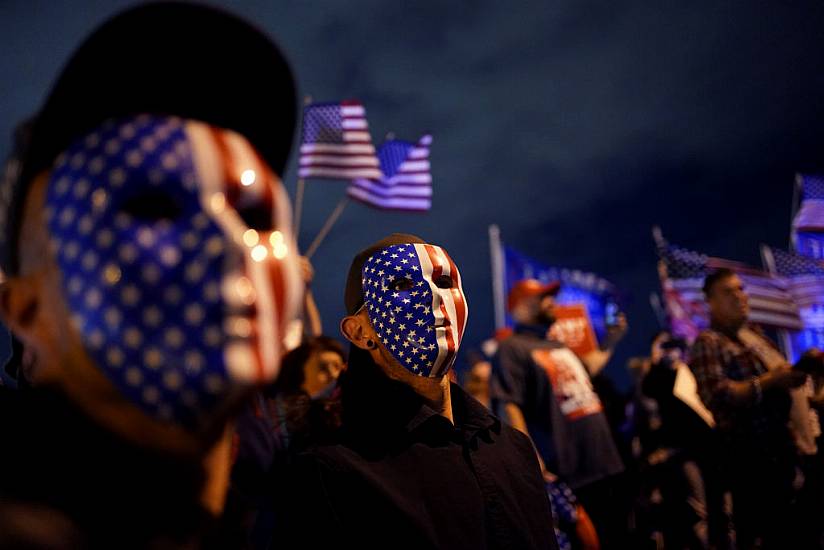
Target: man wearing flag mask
(550,397)
(149,272)
(418,463)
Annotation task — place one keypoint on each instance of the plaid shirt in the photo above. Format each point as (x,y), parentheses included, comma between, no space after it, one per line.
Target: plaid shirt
(718,359)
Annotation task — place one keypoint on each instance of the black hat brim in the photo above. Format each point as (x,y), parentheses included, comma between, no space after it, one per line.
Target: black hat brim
(166,58)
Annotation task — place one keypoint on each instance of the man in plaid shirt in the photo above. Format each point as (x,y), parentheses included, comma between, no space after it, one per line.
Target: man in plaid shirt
(744,380)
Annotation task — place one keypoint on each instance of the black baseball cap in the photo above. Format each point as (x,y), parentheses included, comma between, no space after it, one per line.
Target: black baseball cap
(164,58)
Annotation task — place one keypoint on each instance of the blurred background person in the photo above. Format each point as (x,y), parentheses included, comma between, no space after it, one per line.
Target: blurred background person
(748,386)
(683,458)
(302,407)
(549,396)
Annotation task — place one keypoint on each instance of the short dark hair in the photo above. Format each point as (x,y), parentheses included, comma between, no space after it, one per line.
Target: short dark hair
(719,274)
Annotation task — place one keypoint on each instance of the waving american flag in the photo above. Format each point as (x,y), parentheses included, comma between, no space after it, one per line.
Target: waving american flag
(805,280)
(682,278)
(336,142)
(406,183)
(808,221)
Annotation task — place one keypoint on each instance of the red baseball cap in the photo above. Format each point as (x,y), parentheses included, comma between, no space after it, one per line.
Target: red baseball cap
(530,287)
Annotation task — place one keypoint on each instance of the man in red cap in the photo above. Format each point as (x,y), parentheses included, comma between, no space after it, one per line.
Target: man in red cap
(550,397)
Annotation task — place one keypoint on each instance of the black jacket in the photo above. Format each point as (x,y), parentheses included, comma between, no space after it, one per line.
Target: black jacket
(399,475)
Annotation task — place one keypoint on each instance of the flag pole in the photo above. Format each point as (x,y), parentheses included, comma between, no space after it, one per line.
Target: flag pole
(658,237)
(327,226)
(799,181)
(658,309)
(497,275)
(299,205)
(301,187)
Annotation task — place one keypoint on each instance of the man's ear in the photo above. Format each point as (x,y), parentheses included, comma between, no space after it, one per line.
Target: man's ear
(19,305)
(353,329)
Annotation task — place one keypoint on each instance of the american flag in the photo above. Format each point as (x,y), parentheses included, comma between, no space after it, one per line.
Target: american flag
(407,181)
(804,276)
(808,221)
(810,215)
(771,302)
(336,142)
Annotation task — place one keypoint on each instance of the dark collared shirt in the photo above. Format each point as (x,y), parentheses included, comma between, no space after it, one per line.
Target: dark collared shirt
(563,413)
(401,475)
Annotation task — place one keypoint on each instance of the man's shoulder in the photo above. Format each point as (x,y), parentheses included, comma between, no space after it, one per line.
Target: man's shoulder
(708,337)
(325,459)
(517,439)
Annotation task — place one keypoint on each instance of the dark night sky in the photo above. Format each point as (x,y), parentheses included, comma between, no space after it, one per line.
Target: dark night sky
(573,125)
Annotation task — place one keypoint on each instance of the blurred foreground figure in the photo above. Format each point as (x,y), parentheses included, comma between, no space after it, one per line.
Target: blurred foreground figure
(550,397)
(763,419)
(149,274)
(418,463)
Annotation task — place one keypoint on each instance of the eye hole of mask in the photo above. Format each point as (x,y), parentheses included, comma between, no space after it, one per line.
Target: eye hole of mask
(151,206)
(402,284)
(444,281)
(256,217)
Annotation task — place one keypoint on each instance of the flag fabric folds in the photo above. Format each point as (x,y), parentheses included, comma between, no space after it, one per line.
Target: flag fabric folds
(808,222)
(577,287)
(336,143)
(682,279)
(406,182)
(805,279)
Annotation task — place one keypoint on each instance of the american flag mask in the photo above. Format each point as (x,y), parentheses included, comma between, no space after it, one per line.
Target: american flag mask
(177,259)
(414,298)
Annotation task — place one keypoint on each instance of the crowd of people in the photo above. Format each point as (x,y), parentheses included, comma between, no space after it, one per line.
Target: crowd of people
(716,446)
(171,385)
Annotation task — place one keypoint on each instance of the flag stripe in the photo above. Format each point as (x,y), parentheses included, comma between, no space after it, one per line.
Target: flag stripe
(339,160)
(457,296)
(338,148)
(447,309)
(393,190)
(338,173)
(391,203)
(810,216)
(428,270)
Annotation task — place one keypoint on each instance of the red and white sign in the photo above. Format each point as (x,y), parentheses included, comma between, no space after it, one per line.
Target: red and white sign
(574,329)
(570,382)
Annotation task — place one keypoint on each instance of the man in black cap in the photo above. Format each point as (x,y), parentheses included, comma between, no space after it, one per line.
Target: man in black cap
(146,244)
(550,397)
(418,463)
